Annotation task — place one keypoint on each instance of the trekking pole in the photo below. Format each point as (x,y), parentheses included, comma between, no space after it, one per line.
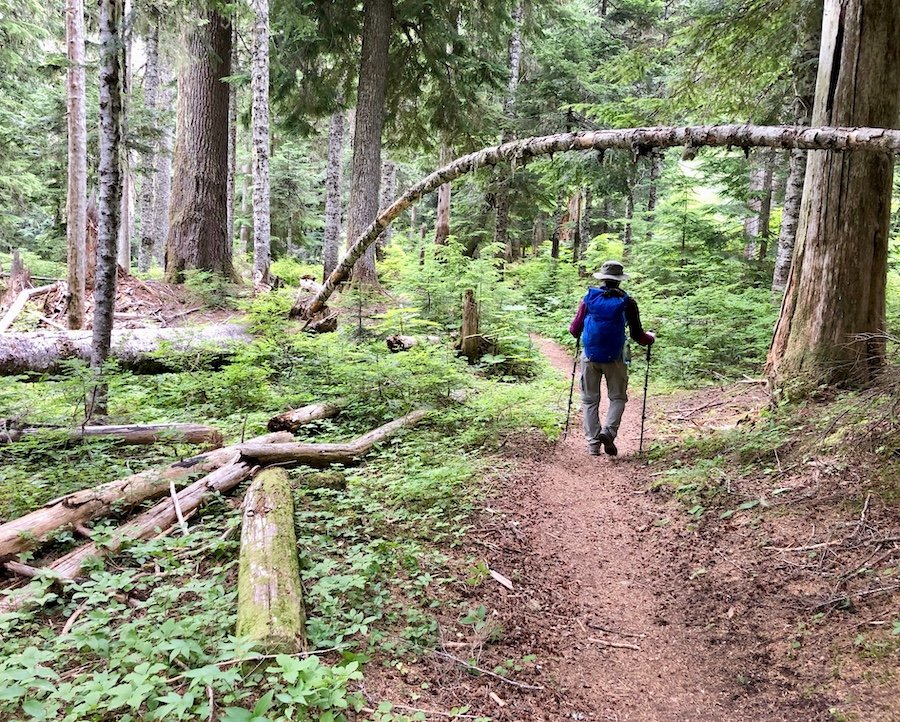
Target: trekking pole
(571,388)
(644,409)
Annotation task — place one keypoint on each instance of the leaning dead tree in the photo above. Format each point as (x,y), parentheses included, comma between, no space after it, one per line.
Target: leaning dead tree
(639,141)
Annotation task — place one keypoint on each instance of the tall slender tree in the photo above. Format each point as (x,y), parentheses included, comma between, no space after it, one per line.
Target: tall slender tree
(110,194)
(162,182)
(151,156)
(123,251)
(76,199)
(333,167)
(198,237)
(232,137)
(834,306)
(259,88)
(501,227)
(442,221)
(365,174)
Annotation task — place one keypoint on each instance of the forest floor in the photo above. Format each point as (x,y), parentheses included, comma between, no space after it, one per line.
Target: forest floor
(626,605)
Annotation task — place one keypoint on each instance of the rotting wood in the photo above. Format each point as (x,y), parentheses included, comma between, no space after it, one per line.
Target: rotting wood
(19,304)
(143,526)
(270,596)
(33,529)
(125,434)
(134,349)
(635,140)
(293,419)
(326,454)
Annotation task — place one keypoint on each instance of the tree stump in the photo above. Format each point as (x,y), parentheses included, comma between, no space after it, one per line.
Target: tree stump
(270,598)
(470,337)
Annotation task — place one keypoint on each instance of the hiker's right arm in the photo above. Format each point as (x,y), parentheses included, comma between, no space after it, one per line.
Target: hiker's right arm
(577,325)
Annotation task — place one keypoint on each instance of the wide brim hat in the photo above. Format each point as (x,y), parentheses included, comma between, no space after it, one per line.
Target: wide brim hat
(611,271)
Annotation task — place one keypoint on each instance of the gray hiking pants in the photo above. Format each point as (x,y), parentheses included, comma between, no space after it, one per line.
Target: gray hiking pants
(616,374)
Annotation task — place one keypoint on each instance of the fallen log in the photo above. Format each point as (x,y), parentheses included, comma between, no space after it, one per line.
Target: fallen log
(398,342)
(135,349)
(132,434)
(293,419)
(270,597)
(635,140)
(19,305)
(161,516)
(326,454)
(33,529)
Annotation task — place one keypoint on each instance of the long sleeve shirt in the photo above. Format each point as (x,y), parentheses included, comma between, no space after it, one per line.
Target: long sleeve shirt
(632,317)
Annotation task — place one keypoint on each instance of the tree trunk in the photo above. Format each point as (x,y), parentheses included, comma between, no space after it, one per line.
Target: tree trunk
(259,86)
(442,222)
(151,102)
(162,184)
(38,352)
(739,136)
(232,139)
(470,334)
(270,596)
(575,223)
(244,243)
(133,434)
(76,195)
(198,238)
(627,230)
(558,230)
(836,289)
(756,225)
(805,66)
(332,240)
(78,507)
(653,192)
(123,247)
(538,233)
(765,207)
(110,200)
(370,111)
(584,227)
(293,419)
(388,189)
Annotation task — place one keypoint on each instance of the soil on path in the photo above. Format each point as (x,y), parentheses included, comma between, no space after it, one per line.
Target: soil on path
(603,595)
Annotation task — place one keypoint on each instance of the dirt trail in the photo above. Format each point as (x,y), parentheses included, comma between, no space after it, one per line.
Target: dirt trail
(593,516)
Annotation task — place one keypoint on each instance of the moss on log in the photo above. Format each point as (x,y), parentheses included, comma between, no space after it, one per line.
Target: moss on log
(270,598)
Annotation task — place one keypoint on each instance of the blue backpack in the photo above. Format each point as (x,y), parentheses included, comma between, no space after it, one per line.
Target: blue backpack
(603,337)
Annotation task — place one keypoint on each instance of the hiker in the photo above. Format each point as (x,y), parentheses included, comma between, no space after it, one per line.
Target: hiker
(600,324)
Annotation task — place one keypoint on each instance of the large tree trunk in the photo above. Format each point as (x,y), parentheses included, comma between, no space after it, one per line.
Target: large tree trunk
(232,139)
(332,239)
(836,289)
(198,238)
(739,136)
(109,180)
(370,111)
(805,66)
(442,221)
(76,195)
(270,596)
(126,216)
(259,86)
(41,352)
(151,102)
(388,189)
(162,184)
(78,507)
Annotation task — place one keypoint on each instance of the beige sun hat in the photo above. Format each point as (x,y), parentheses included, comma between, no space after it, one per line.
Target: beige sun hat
(612,271)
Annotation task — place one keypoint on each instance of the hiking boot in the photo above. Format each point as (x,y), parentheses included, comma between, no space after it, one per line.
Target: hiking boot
(608,446)
(594,450)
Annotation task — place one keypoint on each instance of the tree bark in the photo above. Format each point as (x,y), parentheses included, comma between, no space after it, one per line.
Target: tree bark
(442,222)
(790,217)
(78,507)
(327,454)
(110,198)
(470,333)
(388,189)
(293,419)
(628,229)
(756,225)
(259,86)
(653,192)
(244,242)
(18,304)
(133,434)
(151,103)
(198,238)
(232,139)
(538,233)
(740,136)
(123,247)
(270,596)
(76,195)
(370,111)
(765,208)
(40,352)
(575,223)
(835,294)
(162,183)
(332,235)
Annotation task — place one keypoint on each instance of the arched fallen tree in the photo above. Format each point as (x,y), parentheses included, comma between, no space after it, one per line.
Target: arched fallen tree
(638,140)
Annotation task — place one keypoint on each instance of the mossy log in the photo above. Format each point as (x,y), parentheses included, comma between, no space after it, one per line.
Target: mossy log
(326,454)
(33,529)
(270,597)
(151,522)
(293,419)
(125,434)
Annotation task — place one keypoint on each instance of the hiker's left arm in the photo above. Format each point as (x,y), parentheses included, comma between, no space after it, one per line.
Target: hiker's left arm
(633,317)
(577,325)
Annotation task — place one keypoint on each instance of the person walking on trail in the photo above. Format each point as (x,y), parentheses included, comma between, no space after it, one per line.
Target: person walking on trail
(600,324)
